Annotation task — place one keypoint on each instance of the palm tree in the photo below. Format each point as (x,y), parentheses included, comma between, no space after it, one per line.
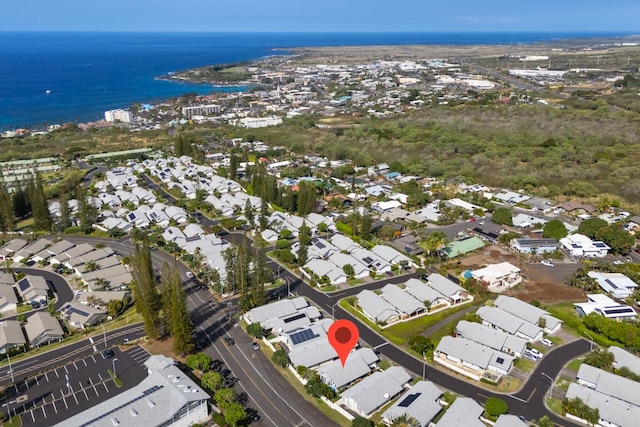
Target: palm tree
(405,420)
(435,242)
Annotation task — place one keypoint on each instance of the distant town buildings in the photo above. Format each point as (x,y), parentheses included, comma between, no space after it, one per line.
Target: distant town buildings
(119,115)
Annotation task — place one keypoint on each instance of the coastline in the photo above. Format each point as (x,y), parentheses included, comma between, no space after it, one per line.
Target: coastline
(101,92)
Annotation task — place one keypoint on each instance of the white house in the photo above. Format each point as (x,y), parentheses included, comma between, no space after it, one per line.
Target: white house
(374,391)
(579,245)
(498,277)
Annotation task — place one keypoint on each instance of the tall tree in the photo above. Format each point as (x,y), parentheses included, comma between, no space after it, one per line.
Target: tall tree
(7,214)
(233,166)
(65,220)
(366,223)
(263,218)
(261,275)
(230,257)
(87,213)
(39,206)
(248,213)
(181,327)
(148,300)
(166,291)
(21,205)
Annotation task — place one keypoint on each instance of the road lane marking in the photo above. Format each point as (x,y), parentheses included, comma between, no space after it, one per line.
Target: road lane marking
(44,412)
(65,401)
(267,383)
(46,376)
(84,390)
(517,398)
(94,359)
(55,408)
(37,382)
(75,398)
(85,362)
(381,345)
(65,369)
(105,386)
(32,416)
(76,366)
(56,371)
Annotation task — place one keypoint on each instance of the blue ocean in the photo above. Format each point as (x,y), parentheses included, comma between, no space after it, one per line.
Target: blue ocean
(61,77)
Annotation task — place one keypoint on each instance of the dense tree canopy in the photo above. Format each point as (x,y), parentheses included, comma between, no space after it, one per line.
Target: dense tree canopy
(502,216)
(554,229)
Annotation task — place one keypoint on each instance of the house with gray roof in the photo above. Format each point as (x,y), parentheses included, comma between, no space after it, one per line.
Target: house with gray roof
(6,278)
(359,363)
(393,256)
(171,234)
(508,420)
(340,260)
(284,316)
(374,391)
(42,328)
(425,293)
(92,256)
(534,246)
(376,308)
(617,285)
(507,322)
(8,299)
(11,335)
(344,243)
(419,402)
(610,384)
(494,338)
(454,292)
(109,278)
(528,312)
(318,269)
(31,249)
(372,260)
(464,411)
(612,411)
(11,247)
(471,359)
(313,354)
(623,358)
(70,254)
(53,251)
(99,264)
(101,298)
(167,396)
(80,315)
(404,302)
(33,289)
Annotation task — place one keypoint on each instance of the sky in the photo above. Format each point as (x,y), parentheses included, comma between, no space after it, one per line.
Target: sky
(322,15)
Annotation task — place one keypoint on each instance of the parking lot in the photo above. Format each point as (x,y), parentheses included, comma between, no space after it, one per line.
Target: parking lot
(60,393)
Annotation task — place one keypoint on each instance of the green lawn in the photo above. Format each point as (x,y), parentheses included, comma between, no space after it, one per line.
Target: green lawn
(402,332)
(525,364)
(555,405)
(574,365)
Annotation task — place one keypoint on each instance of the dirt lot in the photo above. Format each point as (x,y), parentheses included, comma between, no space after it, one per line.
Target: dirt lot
(545,284)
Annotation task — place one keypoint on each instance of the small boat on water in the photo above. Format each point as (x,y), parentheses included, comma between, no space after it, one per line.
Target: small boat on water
(48,91)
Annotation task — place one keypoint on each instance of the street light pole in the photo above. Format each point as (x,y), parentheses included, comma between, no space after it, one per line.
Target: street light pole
(591,339)
(113,365)
(104,334)
(551,386)
(424,366)
(333,310)
(10,369)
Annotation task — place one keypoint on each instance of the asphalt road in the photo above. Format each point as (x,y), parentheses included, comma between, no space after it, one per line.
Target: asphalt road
(277,402)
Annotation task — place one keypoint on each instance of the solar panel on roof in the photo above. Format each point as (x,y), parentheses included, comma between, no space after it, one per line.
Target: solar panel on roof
(302,336)
(320,245)
(368,260)
(500,360)
(611,283)
(295,317)
(24,284)
(192,239)
(409,400)
(71,310)
(621,310)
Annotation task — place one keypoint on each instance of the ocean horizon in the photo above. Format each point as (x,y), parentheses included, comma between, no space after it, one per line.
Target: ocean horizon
(57,77)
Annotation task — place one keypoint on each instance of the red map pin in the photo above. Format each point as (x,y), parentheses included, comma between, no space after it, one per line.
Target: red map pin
(343,335)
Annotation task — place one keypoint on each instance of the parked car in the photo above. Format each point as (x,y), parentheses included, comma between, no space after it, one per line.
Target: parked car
(108,353)
(190,275)
(255,346)
(546,342)
(224,372)
(530,356)
(536,353)
(229,340)
(547,262)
